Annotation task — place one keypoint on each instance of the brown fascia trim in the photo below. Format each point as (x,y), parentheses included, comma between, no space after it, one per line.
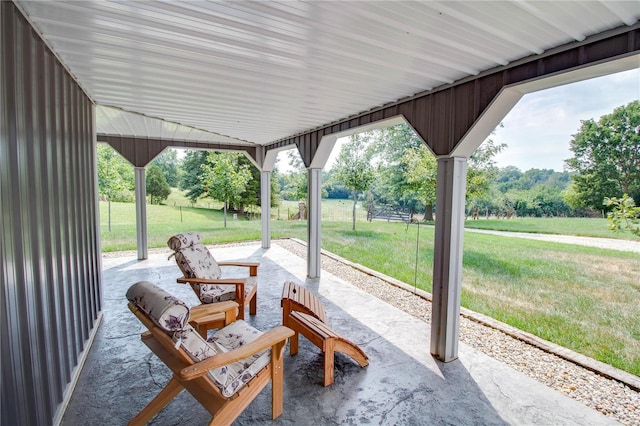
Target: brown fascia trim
(607,45)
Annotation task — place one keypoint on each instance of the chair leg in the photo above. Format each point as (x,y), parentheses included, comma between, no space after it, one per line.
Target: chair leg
(293,343)
(165,396)
(253,304)
(329,356)
(202,330)
(277,364)
(230,316)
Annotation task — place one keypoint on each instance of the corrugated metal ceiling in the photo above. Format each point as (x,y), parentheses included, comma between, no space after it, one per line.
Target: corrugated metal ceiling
(262,71)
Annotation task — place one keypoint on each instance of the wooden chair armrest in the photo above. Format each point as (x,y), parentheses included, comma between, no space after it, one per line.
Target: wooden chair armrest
(253,266)
(200,311)
(243,264)
(267,340)
(212,281)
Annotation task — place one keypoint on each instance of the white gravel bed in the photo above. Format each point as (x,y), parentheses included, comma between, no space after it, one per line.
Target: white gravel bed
(608,396)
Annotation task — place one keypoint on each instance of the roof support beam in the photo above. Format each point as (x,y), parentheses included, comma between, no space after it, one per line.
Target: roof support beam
(142,151)
(443,116)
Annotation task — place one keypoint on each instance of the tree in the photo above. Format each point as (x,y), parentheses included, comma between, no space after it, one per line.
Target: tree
(353,168)
(115,175)
(294,183)
(191,170)
(334,188)
(157,187)
(420,174)
(251,194)
(294,186)
(482,170)
(607,157)
(508,178)
(624,210)
(536,192)
(169,164)
(388,149)
(224,179)
(407,170)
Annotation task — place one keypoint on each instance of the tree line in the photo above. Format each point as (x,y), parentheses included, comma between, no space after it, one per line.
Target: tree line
(392,166)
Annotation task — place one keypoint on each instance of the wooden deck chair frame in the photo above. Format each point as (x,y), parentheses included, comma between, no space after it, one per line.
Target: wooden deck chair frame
(180,243)
(304,313)
(193,377)
(241,299)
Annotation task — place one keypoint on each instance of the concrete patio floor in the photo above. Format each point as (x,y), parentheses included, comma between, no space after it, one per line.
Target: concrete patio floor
(403,385)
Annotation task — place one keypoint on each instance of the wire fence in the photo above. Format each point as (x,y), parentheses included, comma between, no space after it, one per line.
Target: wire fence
(117,215)
(331,210)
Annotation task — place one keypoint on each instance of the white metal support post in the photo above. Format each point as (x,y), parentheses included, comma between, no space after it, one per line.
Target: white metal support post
(141,212)
(447,262)
(265,208)
(314,215)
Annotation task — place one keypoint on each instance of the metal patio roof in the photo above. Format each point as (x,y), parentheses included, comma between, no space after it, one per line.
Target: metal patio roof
(256,72)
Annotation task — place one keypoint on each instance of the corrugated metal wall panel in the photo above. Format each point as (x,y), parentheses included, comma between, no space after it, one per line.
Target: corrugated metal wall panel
(50,258)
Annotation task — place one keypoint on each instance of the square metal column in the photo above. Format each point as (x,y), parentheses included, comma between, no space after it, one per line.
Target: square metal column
(447,262)
(265,208)
(314,215)
(141,212)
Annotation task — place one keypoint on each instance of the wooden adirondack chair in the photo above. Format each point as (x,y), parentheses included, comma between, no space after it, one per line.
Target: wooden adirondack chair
(203,273)
(224,373)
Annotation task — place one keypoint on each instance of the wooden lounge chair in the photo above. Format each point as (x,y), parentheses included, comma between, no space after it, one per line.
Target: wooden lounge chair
(304,313)
(203,273)
(224,373)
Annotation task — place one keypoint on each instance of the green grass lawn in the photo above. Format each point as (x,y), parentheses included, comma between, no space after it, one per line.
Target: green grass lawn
(164,221)
(582,298)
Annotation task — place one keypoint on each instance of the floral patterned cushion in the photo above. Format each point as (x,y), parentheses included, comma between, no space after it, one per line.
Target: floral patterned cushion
(193,258)
(232,377)
(220,293)
(166,311)
(185,240)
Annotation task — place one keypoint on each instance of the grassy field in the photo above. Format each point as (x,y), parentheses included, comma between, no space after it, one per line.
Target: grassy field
(207,218)
(164,221)
(582,298)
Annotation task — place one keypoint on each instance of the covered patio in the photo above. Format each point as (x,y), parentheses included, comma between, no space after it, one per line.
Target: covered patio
(258,78)
(403,384)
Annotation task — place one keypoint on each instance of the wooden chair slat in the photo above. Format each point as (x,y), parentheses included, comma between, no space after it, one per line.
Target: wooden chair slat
(304,313)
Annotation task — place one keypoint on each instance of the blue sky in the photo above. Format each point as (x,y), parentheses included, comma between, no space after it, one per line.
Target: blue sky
(547,119)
